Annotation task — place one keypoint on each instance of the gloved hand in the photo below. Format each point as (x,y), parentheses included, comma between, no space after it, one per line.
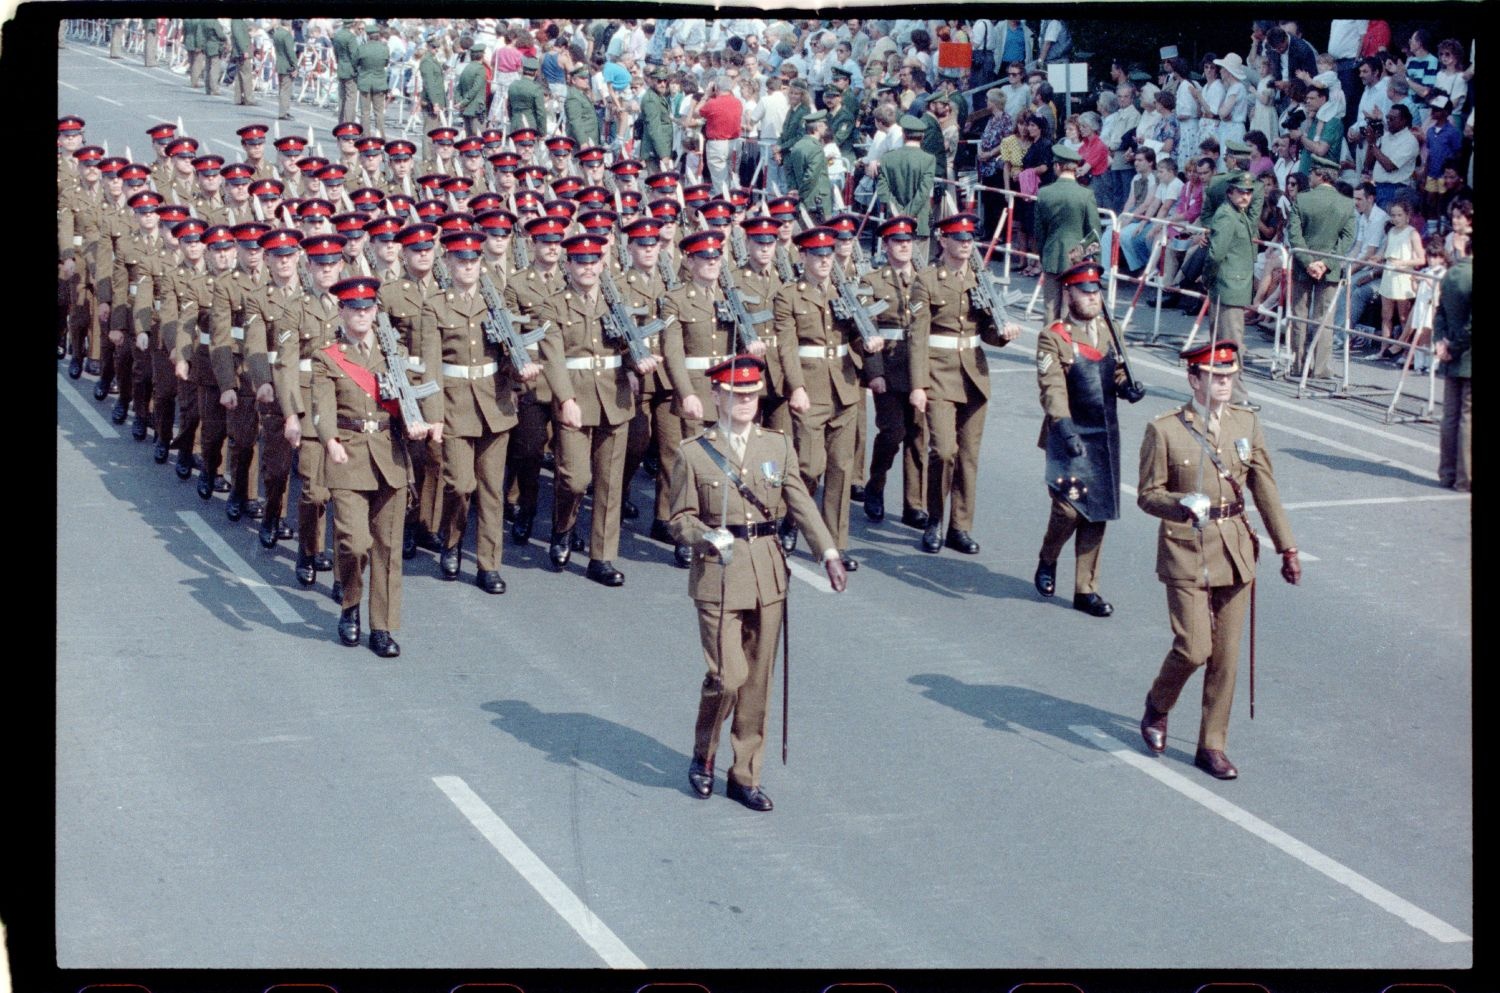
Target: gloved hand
(1069,434)
(1133,392)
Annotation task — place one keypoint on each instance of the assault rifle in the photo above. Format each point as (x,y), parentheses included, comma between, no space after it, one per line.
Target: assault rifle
(395,385)
(503,328)
(732,309)
(848,307)
(620,325)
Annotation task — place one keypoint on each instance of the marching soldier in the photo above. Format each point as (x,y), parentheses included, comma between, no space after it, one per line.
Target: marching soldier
(477,409)
(190,352)
(950,380)
(269,328)
(122,222)
(78,212)
(899,426)
(399,154)
(205,201)
(182,180)
(366,465)
(298,336)
(1067,216)
(644,290)
(594,403)
(1080,373)
(146,260)
(731,487)
(162,136)
(759,281)
(1196,462)
(233,311)
(239,206)
(824,388)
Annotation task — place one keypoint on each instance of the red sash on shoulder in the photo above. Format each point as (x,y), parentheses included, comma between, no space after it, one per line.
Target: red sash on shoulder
(363,378)
(1087,351)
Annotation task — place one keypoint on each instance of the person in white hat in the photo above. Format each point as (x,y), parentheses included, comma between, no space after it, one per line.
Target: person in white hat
(1234,107)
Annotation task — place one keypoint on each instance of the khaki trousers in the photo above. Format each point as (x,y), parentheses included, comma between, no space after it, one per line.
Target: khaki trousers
(899,428)
(1064,523)
(955,431)
(1311,302)
(1206,627)
(473,465)
(738,683)
(367,525)
(824,437)
(591,454)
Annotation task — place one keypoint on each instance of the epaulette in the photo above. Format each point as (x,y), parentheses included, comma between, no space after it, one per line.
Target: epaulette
(1170,413)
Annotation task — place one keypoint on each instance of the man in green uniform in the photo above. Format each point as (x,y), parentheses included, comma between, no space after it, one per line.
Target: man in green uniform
(732,486)
(904,185)
(192,43)
(468,92)
(370,62)
(1067,220)
(841,129)
(1452,328)
(1324,221)
(581,122)
(242,56)
(148,55)
(527,101)
(433,96)
(656,124)
(345,44)
(799,105)
(285,47)
(807,167)
(214,48)
(1231,270)
(1196,462)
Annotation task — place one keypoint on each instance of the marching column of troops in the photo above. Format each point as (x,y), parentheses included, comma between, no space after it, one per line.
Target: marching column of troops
(419,336)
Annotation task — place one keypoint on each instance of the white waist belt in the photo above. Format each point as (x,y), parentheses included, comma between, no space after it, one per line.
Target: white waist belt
(237,333)
(822,351)
(204,338)
(703,363)
(594,362)
(953,341)
(417,365)
(471,371)
(78,239)
(271,357)
(305,365)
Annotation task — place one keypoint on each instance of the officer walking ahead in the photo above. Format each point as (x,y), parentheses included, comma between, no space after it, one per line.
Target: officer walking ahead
(1080,374)
(1195,464)
(730,488)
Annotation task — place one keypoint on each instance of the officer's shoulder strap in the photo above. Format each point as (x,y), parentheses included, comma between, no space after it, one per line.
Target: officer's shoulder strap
(1165,415)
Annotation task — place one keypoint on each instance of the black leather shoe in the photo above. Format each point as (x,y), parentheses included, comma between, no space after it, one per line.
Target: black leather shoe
(184,469)
(1046,577)
(117,416)
(489,580)
(234,507)
(875,506)
(382,644)
(960,541)
(701,779)
(753,797)
(1092,604)
(221,485)
(856,494)
(915,519)
(91,366)
(138,428)
(659,532)
(788,538)
(520,529)
(306,574)
(75,368)
(605,573)
(449,560)
(268,532)
(255,509)
(575,541)
(323,561)
(558,550)
(932,539)
(284,530)
(851,564)
(205,487)
(1154,728)
(682,556)
(409,541)
(510,512)
(629,511)
(426,539)
(1215,763)
(349,625)
(160,452)
(101,390)
(549,461)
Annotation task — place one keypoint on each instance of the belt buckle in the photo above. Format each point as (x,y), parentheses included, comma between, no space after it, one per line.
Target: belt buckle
(832,352)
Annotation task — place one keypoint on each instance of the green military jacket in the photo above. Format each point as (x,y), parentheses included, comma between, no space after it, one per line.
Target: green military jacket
(370,64)
(808,170)
(527,104)
(1231,255)
(1067,215)
(468,92)
(656,128)
(1454,319)
(581,123)
(792,129)
(239,37)
(285,47)
(212,36)
(192,34)
(431,71)
(344,44)
(905,183)
(1323,220)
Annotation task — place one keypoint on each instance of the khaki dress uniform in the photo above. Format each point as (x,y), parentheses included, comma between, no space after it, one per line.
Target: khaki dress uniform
(402,301)
(1207,574)
(478,411)
(741,606)
(266,332)
(233,313)
(899,427)
(814,350)
(148,263)
(369,490)
(580,365)
(300,333)
(654,417)
(945,359)
(195,293)
(210,208)
(763,287)
(527,294)
(79,237)
(1058,347)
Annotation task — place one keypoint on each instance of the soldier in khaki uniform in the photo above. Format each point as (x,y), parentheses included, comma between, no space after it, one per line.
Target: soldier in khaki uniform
(122,222)
(269,329)
(527,294)
(824,388)
(1079,375)
(497,261)
(190,355)
(181,182)
(147,258)
(759,281)
(366,465)
(232,314)
(594,403)
(1196,462)
(899,427)
(739,576)
(253,143)
(950,381)
(78,217)
(477,409)
(643,288)
(299,335)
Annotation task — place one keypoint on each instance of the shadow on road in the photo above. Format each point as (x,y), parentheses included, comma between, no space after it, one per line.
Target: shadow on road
(1344,463)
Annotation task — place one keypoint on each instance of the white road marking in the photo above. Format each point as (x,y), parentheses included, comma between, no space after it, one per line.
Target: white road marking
(67,392)
(1368,501)
(1301,407)
(817,579)
(1306,854)
(542,879)
(109,101)
(1304,555)
(63,82)
(240,569)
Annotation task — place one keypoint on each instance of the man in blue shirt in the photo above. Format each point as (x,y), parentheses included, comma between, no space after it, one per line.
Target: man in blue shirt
(1443,141)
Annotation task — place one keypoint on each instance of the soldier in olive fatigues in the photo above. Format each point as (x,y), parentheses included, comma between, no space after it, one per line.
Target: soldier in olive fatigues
(656,123)
(192,43)
(370,62)
(468,91)
(739,574)
(243,56)
(1196,462)
(215,45)
(527,102)
(1231,268)
(1067,220)
(807,168)
(285,47)
(345,44)
(904,184)
(580,121)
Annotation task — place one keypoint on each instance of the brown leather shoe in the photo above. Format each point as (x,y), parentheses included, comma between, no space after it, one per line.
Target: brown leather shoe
(1154,728)
(1215,763)
(701,778)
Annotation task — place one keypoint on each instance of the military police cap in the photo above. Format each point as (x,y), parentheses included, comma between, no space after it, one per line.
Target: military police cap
(359,292)
(841,72)
(580,70)
(1216,356)
(899,228)
(739,374)
(660,73)
(1083,276)
(799,83)
(530,64)
(1062,153)
(817,115)
(1232,147)
(1242,181)
(910,123)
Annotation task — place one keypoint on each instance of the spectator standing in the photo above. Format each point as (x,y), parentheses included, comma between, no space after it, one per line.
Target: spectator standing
(1120,120)
(1451,331)
(1421,65)
(506,66)
(719,114)
(1017,92)
(1401,254)
(1316,136)
(990,167)
(1439,151)
(1057,42)
(1344,40)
